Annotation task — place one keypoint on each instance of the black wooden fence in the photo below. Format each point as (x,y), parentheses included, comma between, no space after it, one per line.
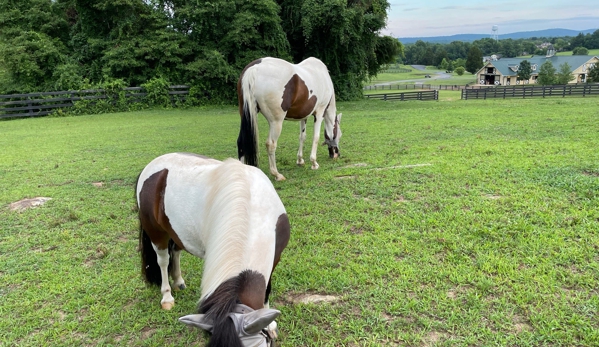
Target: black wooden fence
(416,86)
(422,95)
(41,104)
(531,92)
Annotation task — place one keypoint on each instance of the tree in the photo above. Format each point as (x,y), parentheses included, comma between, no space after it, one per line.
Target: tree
(388,50)
(593,74)
(475,60)
(577,41)
(450,66)
(444,64)
(343,34)
(580,51)
(460,70)
(546,74)
(564,74)
(524,71)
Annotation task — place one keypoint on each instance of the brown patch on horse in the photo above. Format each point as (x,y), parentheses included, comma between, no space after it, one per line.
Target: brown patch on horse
(239,89)
(283,233)
(296,99)
(153,219)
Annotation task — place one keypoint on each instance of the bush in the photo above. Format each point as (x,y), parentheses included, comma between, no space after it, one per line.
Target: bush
(157,92)
(580,51)
(460,70)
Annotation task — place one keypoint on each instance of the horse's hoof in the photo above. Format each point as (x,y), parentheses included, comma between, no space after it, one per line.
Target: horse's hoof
(280,178)
(315,167)
(180,287)
(300,163)
(167,305)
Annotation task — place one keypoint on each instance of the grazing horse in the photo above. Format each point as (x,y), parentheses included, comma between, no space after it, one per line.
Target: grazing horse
(230,215)
(280,90)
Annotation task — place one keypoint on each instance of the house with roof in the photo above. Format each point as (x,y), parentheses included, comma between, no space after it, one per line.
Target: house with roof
(505,71)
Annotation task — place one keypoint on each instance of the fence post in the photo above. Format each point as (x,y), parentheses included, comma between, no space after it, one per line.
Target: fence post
(30,106)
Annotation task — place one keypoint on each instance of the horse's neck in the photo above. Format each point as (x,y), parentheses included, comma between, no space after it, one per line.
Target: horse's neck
(227,217)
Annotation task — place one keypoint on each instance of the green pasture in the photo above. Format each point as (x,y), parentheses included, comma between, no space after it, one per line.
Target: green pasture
(591,52)
(394,78)
(450,223)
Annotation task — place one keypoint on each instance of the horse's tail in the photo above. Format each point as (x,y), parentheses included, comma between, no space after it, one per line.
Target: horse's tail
(247,142)
(149,260)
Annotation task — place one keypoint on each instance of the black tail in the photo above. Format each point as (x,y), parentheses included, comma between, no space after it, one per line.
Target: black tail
(246,142)
(149,261)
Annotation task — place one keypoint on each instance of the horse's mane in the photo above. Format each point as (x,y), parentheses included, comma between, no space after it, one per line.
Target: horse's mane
(227,219)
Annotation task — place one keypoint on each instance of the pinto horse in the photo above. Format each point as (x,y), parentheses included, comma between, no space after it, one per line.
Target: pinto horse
(230,215)
(284,91)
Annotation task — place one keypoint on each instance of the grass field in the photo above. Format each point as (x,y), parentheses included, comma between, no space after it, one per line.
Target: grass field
(403,78)
(451,223)
(591,52)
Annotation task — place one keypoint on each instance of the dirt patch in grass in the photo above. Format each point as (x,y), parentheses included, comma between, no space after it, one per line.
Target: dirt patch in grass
(24,204)
(432,338)
(521,324)
(344,177)
(312,299)
(590,173)
(493,196)
(147,332)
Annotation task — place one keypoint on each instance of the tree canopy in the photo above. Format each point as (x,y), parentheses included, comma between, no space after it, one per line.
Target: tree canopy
(525,70)
(475,60)
(546,74)
(564,74)
(593,74)
(70,44)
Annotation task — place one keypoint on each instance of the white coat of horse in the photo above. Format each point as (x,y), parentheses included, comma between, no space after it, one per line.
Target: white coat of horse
(285,91)
(230,215)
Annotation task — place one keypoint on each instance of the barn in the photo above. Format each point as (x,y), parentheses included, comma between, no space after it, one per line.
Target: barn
(505,71)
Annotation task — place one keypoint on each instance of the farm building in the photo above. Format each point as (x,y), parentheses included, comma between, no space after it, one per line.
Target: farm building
(505,71)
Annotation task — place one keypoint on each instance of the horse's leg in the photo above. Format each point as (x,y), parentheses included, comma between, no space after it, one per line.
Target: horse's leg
(317,123)
(167,301)
(271,146)
(178,282)
(302,138)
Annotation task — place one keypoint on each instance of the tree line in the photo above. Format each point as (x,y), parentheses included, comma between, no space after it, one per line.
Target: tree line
(50,45)
(426,53)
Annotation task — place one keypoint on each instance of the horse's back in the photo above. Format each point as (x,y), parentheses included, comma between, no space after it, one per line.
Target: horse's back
(282,89)
(193,185)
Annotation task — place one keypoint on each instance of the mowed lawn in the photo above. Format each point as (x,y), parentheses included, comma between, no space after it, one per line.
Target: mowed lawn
(450,223)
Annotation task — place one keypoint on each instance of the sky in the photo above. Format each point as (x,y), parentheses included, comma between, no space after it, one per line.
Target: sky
(425,18)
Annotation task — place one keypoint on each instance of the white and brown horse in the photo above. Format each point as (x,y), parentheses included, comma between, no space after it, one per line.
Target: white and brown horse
(284,91)
(230,215)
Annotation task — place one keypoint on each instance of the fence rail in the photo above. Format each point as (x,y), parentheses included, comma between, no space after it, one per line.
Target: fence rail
(422,96)
(41,104)
(531,92)
(418,86)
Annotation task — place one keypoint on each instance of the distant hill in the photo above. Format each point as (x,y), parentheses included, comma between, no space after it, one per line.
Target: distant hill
(515,36)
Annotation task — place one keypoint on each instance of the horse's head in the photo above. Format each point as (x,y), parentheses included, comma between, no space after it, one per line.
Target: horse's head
(251,326)
(333,142)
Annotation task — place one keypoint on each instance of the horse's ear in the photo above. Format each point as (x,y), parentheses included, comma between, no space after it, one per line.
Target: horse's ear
(339,117)
(255,321)
(197,320)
